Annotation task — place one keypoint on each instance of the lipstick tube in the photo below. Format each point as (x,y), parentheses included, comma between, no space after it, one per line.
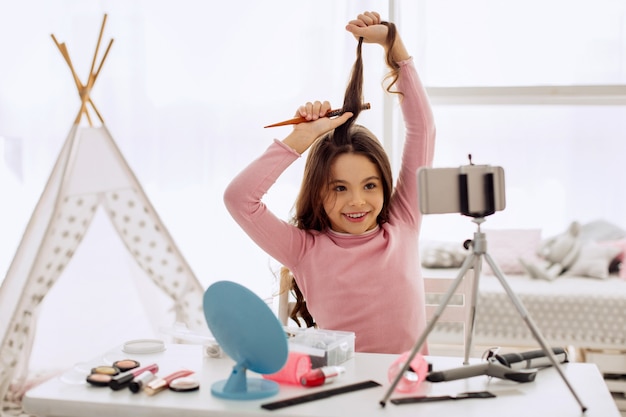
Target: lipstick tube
(122,380)
(159,384)
(321,376)
(140,380)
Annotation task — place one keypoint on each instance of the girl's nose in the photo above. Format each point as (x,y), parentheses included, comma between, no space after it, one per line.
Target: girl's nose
(357,199)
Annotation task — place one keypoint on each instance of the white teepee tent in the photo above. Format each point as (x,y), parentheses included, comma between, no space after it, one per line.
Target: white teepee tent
(90,172)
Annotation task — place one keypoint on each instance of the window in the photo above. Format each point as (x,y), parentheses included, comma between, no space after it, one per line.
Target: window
(536,87)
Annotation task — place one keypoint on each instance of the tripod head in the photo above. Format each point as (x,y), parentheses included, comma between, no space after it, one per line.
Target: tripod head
(471,190)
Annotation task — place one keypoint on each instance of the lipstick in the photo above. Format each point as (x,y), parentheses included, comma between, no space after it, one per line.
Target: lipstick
(159,384)
(140,380)
(122,380)
(321,376)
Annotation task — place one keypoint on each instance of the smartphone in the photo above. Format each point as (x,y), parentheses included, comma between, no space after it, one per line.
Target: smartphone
(471,190)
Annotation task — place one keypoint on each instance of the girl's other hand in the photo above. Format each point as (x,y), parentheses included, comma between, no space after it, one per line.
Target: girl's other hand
(305,133)
(313,111)
(367,26)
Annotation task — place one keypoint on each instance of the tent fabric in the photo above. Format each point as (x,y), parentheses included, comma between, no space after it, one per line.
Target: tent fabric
(89,173)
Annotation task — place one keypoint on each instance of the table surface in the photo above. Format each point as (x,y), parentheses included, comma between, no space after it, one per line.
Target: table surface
(68,395)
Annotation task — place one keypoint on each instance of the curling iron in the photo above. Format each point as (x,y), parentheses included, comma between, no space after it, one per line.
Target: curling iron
(532,359)
(490,368)
(519,367)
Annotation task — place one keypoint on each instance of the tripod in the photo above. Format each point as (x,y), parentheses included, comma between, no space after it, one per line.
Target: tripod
(479,245)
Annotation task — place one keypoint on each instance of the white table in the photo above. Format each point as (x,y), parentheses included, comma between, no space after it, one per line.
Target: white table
(69,396)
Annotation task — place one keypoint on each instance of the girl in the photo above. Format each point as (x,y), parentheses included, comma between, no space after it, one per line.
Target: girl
(353,244)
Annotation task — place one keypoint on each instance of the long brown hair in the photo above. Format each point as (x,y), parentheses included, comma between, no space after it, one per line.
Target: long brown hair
(348,138)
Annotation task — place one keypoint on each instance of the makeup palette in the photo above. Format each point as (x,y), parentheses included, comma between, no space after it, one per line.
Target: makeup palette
(126,364)
(103,375)
(128,373)
(105,370)
(99,380)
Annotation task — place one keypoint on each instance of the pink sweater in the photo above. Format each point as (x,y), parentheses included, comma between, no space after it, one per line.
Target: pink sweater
(369,284)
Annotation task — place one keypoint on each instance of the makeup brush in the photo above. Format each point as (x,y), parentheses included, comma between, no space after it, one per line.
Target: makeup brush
(330,113)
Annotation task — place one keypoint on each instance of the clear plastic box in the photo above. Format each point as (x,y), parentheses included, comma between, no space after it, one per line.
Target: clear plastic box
(325,347)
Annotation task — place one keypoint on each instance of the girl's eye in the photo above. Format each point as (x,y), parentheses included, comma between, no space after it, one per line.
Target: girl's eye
(340,188)
(370,186)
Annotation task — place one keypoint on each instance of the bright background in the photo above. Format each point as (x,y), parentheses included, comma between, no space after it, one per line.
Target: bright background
(188,87)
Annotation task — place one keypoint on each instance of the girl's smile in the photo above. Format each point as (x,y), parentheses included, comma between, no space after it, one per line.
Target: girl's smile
(356,216)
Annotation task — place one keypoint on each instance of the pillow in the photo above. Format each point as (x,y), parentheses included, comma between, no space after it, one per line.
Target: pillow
(621,256)
(507,246)
(601,230)
(593,261)
(443,255)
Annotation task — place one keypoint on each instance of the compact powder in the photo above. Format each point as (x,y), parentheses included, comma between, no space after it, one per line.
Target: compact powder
(126,364)
(99,380)
(185,383)
(105,370)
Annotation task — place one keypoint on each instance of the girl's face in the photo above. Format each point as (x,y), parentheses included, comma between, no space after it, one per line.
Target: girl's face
(355,196)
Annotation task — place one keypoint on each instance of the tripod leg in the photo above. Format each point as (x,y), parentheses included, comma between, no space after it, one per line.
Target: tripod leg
(531,325)
(420,341)
(470,321)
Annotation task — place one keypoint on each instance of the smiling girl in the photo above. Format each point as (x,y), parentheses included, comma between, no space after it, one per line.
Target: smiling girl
(352,246)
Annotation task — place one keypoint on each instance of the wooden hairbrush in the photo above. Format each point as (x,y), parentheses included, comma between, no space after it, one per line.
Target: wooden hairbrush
(300,119)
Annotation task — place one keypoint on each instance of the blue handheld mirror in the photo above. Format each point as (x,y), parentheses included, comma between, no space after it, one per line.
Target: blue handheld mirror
(249,333)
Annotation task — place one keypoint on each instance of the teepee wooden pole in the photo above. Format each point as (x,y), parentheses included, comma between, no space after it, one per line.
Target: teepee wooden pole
(79,85)
(84,90)
(95,54)
(95,77)
(66,56)
(93,106)
(106,52)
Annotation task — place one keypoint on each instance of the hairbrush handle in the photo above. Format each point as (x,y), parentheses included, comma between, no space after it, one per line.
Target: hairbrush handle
(330,113)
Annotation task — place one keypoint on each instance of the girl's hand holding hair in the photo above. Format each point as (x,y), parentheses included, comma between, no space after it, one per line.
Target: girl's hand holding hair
(304,134)
(368,26)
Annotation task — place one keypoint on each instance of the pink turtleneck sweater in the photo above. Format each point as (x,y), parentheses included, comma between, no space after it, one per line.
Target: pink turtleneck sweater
(369,284)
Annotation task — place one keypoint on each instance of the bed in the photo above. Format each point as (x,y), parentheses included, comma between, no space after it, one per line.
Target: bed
(571,311)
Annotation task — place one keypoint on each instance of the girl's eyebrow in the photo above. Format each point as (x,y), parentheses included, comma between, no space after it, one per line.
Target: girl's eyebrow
(339,180)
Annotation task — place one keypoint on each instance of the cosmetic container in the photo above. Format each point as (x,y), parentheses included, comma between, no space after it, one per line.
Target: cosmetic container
(321,376)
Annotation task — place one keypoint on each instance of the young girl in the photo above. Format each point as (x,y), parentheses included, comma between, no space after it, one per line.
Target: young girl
(353,244)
